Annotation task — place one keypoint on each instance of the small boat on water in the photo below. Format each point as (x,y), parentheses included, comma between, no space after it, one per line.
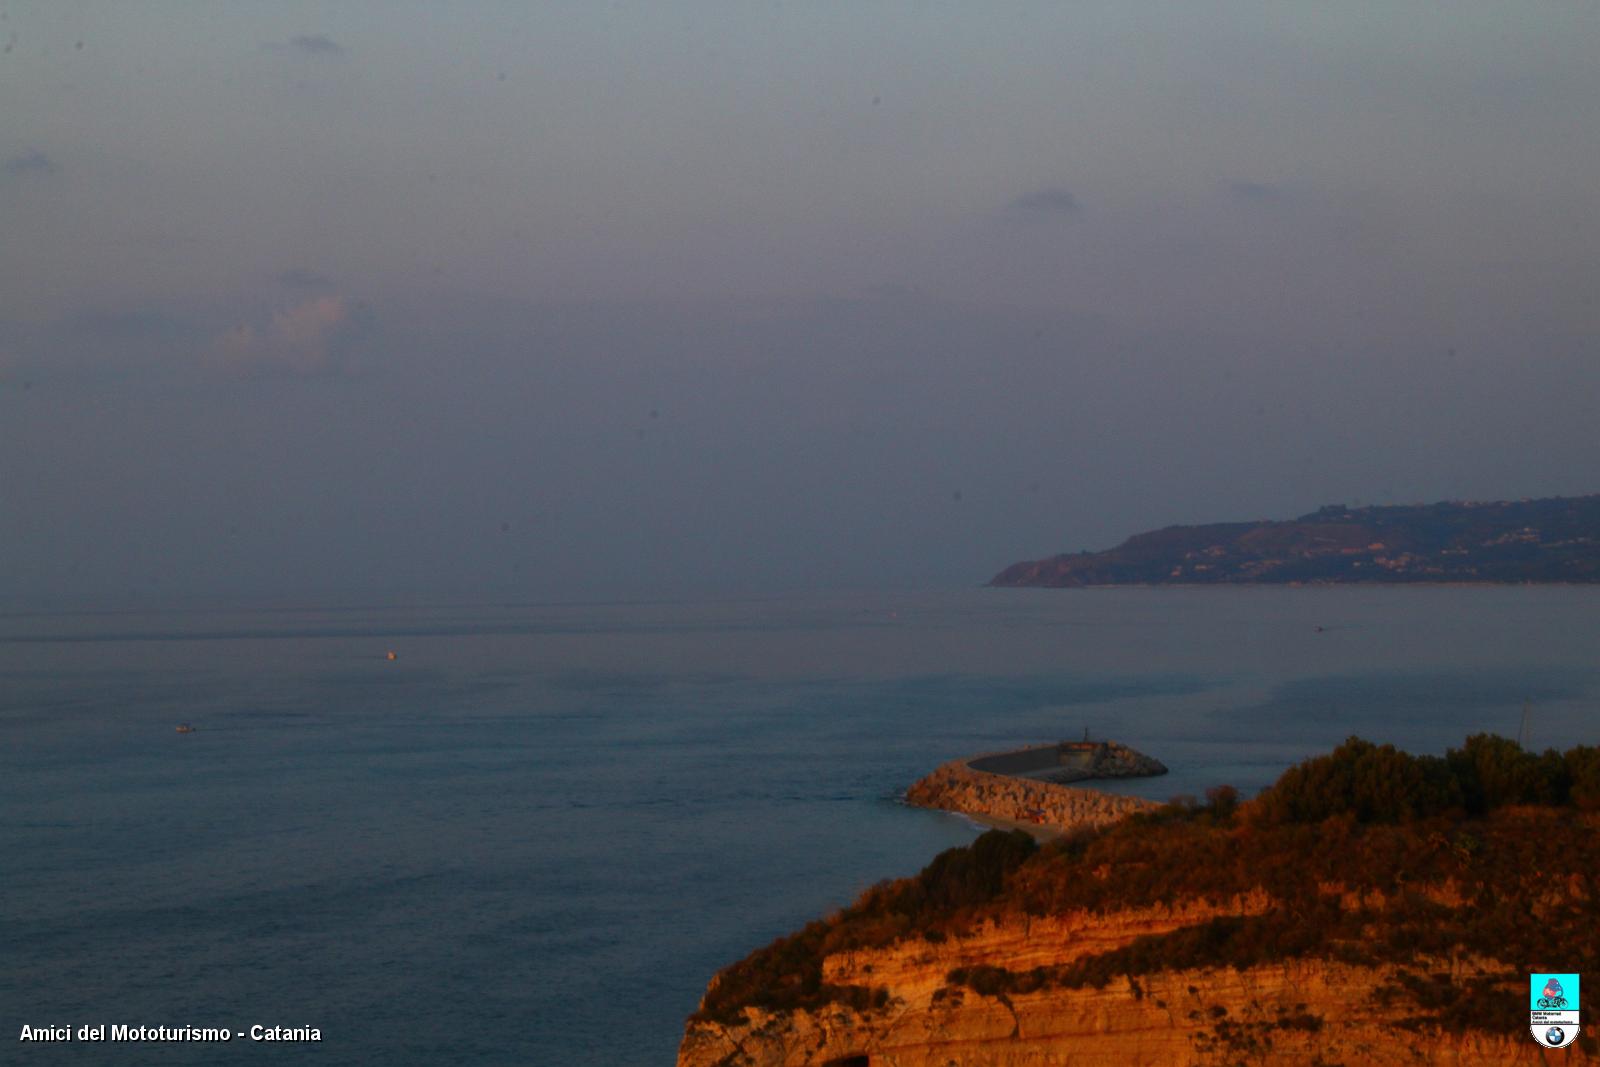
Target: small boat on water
(185,728)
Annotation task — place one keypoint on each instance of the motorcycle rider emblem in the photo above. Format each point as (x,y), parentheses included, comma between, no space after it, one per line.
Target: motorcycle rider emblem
(1553,1009)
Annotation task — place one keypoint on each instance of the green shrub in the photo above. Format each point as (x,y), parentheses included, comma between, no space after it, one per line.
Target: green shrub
(1582,767)
(963,877)
(1223,801)
(1493,772)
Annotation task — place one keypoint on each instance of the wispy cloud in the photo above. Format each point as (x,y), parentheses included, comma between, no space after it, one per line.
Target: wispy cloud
(316,44)
(1041,203)
(301,340)
(127,327)
(1255,192)
(31,163)
(106,343)
(304,280)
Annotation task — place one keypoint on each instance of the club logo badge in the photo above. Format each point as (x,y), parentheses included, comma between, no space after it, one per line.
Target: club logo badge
(1553,1009)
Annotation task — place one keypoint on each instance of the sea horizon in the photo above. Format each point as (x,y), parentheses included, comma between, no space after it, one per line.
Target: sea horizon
(534,813)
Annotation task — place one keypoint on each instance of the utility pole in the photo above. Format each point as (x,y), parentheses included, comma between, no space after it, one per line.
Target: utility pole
(1522,729)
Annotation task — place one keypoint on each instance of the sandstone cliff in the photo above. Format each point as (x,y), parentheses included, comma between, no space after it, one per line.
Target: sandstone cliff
(1371,908)
(1288,1012)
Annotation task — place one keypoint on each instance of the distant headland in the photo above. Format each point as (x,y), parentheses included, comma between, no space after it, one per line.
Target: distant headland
(1552,540)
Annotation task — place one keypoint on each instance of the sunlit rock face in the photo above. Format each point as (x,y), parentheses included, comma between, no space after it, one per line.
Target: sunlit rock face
(1371,907)
(1289,1012)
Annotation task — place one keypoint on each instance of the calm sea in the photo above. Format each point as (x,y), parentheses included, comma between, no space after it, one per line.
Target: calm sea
(534,835)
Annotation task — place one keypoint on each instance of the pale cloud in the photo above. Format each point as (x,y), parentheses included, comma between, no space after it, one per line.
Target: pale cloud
(299,340)
(308,44)
(1045,202)
(31,163)
(1255,192)
(303,279)
(92,327)
(317,44)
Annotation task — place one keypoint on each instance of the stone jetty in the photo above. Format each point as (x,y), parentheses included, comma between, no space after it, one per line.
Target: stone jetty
(1030,785)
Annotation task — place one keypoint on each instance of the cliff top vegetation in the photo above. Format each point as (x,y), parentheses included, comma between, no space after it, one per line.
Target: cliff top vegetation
(1370,856)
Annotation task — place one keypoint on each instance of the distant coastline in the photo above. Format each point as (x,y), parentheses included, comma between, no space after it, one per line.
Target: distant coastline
(1553,541)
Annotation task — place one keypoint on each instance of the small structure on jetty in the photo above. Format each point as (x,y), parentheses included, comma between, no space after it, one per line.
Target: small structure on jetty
(1030,785)
(1070,761)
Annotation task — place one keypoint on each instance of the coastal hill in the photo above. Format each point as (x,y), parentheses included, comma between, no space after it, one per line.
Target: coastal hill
(1371,907)
(1551,540)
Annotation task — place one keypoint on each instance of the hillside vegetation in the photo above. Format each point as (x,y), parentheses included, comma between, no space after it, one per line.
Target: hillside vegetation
(1369,856)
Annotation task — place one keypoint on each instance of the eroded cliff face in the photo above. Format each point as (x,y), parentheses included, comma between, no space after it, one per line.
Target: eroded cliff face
(1304,1011)
(1371,908)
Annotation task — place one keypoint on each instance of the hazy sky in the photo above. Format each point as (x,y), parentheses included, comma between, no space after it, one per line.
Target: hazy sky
(377,300)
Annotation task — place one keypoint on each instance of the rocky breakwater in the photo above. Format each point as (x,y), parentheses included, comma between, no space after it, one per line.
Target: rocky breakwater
(1029,785)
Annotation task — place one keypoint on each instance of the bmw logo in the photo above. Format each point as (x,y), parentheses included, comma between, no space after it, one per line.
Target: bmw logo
(1555,1035)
